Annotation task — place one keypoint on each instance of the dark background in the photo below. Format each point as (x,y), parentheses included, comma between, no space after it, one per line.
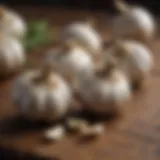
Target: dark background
(153,5)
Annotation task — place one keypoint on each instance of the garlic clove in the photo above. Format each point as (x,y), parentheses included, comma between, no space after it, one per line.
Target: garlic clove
(75,124)
(92,131)
(55,133)
(121,6)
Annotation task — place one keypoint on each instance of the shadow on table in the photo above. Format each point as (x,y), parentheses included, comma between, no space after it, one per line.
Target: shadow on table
(14,126)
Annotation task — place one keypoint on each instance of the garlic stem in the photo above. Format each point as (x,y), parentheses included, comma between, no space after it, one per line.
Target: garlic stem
(92,131)
(68,45)
(46,71)
(122,6)
(121,49)
(2,11)
(108,68)
(90,22)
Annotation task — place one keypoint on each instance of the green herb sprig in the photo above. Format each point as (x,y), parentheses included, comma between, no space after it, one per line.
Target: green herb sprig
(38,34)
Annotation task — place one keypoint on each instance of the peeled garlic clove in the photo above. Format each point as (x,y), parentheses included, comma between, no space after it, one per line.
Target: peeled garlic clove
(134,22)
(85,34)
(92,131)
(12,23)
(55,133)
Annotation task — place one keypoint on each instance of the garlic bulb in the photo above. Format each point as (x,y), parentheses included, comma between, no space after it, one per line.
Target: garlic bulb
(134,22)
(85,34)
(105,92)
(12,55)
(72,61)
(135,59)
(12,23)
(42,95)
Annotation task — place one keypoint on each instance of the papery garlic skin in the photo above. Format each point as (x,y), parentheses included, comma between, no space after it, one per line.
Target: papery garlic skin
(12,56)
(41,101)
(85,35)
(137,61)
(12,23)
(105,95)
(135,22)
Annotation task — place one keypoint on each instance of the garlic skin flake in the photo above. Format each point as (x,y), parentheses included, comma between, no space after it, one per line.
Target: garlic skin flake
(105,94)
(12,23)
(12,56)
(135,59)
(45,99)
(85,34)
(134,22)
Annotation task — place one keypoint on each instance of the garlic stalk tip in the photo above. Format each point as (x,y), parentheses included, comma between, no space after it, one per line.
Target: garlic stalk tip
(121,6)
(90,22)
(2,9)
(68,45)
(46,71)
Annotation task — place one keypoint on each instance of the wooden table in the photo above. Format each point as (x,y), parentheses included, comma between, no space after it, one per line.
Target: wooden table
(133,136)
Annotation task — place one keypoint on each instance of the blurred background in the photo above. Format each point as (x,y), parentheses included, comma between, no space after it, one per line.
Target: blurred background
(153,5)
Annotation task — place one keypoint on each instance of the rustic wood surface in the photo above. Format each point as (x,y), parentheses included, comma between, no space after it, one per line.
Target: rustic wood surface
(135,135)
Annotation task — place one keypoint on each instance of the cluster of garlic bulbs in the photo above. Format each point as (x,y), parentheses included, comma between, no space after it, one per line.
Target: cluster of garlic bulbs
(12,31)
(80,68)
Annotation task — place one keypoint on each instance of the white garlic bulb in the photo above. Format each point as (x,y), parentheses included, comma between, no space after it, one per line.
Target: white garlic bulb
(42,95)
(12,56)
(85,34)
(72,60)
(106,92)
(135,59)
(12,23)
(134,22)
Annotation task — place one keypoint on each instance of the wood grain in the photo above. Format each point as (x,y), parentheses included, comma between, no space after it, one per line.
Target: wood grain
(133,136)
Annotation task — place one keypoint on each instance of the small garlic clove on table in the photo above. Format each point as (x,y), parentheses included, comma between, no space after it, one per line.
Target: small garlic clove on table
(75,124)
(92,131)
(55,133)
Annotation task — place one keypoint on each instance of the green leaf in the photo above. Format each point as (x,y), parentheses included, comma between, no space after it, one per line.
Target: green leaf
(38,34)
(37,27)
